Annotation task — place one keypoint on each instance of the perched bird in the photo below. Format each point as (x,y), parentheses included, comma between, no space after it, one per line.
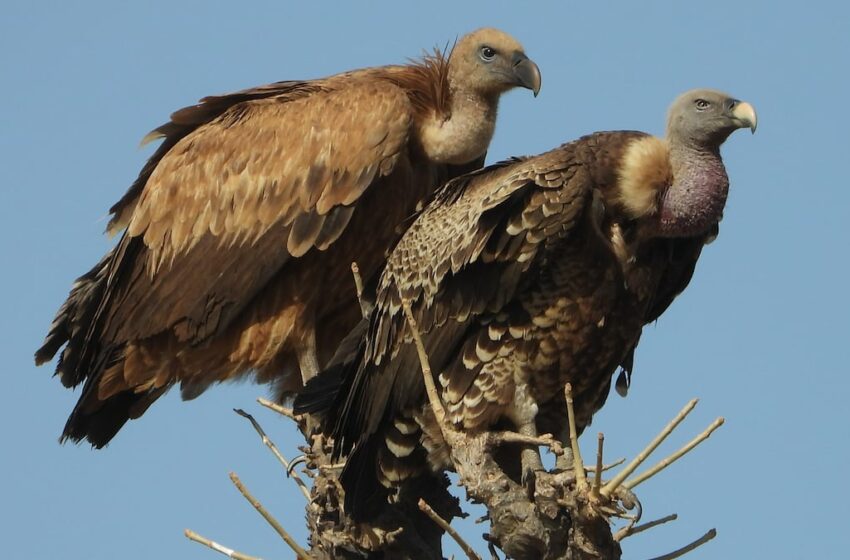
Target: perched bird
(239,233)
(523,277)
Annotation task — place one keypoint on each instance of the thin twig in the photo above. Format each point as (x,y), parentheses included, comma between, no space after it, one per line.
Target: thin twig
(667,461)
(578,464)
(430,386)
(358,285)
(633,530)
(270,444)
(229,552)
(685,549)
(279,409)
(597,479)
(607,467)
(334,467)
(300,552)
(470,553)
(612,484)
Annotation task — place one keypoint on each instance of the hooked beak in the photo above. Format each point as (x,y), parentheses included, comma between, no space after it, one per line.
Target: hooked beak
(744,116)
(527,73)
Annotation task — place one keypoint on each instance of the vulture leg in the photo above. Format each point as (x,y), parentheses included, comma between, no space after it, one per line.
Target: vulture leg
(308,360)
(523,412)
(564,461)
(552,420)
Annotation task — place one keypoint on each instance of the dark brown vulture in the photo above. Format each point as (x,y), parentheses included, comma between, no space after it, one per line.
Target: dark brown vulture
(240,231)
(525,276)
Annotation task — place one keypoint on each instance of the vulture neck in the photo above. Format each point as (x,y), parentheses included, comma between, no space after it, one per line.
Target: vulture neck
(463,133)
(694,201)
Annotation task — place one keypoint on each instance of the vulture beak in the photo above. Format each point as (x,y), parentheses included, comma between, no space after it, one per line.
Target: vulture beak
(526,72)
(744,115)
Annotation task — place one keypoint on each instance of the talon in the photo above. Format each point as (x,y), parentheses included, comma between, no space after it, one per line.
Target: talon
(529,481)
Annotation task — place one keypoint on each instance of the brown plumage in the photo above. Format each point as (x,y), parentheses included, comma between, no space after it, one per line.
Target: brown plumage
(523,277)
(240,230)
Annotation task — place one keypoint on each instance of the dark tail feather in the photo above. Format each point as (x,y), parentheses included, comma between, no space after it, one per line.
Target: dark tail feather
(100,425)
(79,325)
(319,395)
(72,321)
(364,494)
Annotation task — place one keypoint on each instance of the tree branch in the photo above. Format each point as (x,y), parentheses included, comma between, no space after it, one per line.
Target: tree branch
(270,444)
(688,548)
(300,552)
(669,460)
(612,484)
(279,409)
(468,550)
(229,552)
(634,530)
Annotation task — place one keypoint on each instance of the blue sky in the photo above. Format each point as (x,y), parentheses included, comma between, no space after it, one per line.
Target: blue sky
(760,335)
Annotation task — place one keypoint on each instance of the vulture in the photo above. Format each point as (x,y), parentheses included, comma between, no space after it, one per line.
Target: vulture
(523,277)
(240,231)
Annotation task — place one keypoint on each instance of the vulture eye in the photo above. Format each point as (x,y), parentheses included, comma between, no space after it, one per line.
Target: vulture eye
(488,53)
(702,104)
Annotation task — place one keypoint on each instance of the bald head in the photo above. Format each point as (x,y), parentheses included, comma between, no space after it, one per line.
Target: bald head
(704,118)
(490,62)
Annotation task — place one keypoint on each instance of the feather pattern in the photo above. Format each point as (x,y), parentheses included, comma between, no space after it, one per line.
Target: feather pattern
(517,286)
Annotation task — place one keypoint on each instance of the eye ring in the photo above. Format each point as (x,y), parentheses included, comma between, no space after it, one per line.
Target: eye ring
(702,104)
(487,53)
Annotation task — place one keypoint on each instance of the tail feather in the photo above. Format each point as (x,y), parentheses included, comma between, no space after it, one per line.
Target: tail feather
(320,395)
(86,355)
(364,493)
(100,425)
(72,322)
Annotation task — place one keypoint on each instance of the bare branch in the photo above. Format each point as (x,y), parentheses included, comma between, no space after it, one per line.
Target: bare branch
(430,386)
(607,467)
(270,444)
(667,461)
(633,530)
(279,409)
(229,552)
(334,467)
(470,553)
(612,484)
(578,464)
(300,552)
(597,479)
(685,549)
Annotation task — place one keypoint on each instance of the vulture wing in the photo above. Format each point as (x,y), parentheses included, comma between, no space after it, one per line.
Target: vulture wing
(464,257)
(240,185)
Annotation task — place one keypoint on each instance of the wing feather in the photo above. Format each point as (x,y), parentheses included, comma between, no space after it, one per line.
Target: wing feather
(265,182)
(463,257)
(241,183)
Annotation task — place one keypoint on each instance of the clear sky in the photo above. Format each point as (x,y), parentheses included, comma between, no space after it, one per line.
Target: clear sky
(760,336)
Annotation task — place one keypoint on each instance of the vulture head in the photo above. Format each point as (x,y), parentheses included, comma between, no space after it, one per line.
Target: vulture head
(490,62)
(704,118)
(699,121)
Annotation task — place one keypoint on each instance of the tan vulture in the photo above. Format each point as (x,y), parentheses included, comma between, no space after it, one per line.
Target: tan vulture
(523,277)
(240,231)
